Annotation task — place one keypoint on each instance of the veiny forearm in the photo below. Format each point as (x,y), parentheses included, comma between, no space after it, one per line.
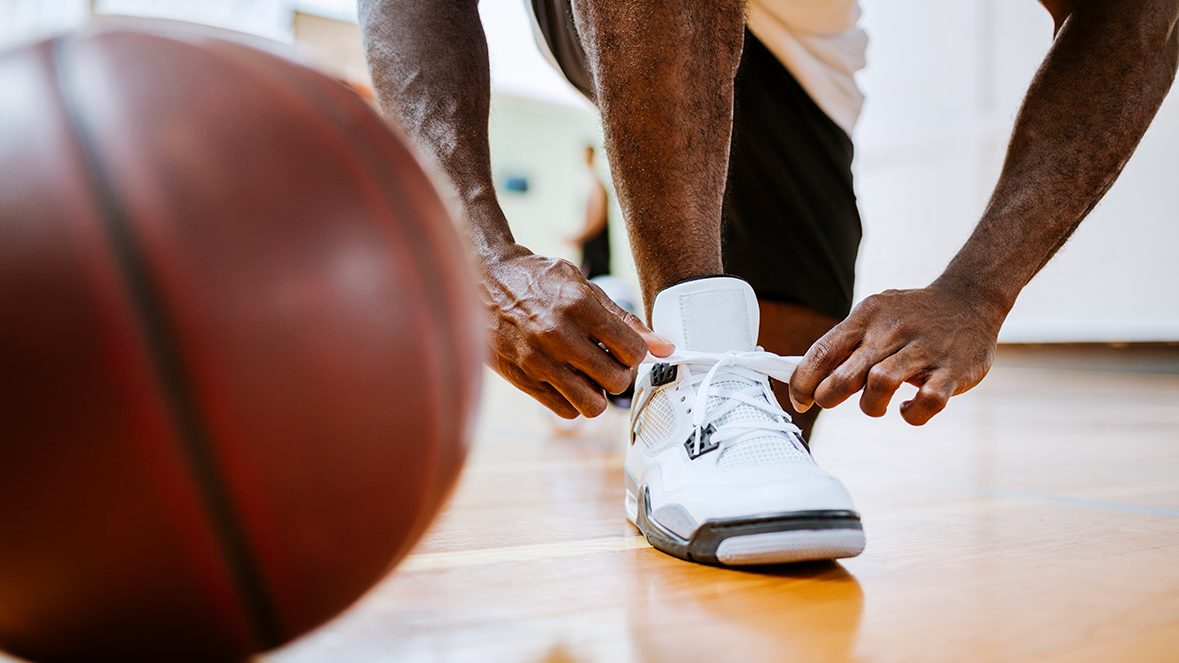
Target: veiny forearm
(1088,106)
(429,64)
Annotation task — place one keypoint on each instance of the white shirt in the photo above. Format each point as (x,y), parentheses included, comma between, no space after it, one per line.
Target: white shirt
(822,45)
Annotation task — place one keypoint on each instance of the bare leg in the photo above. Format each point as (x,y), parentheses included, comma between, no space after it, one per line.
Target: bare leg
(663,78)
(788,329)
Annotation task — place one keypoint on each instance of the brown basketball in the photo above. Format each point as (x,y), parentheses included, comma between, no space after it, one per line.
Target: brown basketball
(239,348)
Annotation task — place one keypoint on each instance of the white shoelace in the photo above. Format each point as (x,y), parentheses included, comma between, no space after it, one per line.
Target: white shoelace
(751,366)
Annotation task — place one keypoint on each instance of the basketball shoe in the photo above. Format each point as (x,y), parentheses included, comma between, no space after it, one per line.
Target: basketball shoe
(716,471)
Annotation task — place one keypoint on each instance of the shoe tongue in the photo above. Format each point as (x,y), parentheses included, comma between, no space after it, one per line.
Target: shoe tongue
(714,314)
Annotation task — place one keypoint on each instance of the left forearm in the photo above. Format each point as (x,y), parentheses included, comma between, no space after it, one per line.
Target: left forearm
(1087,108)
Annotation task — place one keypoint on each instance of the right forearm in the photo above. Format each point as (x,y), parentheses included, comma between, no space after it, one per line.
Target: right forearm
(428,60)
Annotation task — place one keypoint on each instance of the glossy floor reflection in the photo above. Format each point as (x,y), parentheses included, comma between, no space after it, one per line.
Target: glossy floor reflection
(1038,518)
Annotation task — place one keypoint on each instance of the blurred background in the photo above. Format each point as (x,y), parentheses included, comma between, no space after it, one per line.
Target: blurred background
(944,81)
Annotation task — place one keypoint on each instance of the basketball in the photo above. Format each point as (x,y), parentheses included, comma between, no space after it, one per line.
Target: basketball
(239,352)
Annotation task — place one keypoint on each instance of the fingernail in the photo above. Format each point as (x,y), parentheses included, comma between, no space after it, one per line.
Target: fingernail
(797,407)
(662,339)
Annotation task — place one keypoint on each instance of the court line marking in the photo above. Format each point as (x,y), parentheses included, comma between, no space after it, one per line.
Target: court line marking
(535,466)
(529,552)
(1081,501)
(560,549)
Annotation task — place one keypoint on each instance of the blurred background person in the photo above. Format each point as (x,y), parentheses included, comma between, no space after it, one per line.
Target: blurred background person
(593,240)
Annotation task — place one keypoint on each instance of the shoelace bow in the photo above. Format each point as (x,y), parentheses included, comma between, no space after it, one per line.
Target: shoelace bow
(752,366)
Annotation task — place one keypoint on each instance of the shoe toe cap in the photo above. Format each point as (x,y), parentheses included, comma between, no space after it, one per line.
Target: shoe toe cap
(682,510)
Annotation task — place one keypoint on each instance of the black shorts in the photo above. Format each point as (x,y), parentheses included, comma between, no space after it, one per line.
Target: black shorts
(791,227)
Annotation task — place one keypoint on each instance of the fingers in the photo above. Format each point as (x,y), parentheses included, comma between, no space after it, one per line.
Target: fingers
(618,333)
(827,354)
(542,392)
(580,391)
(565,391)
(883,380)
(847,378)
(601,367)
(931,398)
(565,368)
(656,344)
(598,344)
(559,338)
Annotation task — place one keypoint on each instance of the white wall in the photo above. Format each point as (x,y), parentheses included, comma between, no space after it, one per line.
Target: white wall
(944,82)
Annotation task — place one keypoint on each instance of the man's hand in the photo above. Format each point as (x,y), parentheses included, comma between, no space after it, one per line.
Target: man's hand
(934,338)
(558,337)
(554,335)
(1086,110)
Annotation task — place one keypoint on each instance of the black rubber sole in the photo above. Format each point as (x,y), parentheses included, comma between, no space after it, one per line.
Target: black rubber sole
(702,547)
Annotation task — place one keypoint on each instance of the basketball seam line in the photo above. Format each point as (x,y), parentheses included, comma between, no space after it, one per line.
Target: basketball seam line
(170,374)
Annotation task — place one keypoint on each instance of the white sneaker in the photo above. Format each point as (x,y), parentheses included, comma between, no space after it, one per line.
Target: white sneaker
(716,471)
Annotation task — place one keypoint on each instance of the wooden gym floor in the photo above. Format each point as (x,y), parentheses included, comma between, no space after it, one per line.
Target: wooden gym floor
(1036,519)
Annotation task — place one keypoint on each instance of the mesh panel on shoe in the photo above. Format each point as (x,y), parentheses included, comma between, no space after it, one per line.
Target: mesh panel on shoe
(658,423)
(756,451)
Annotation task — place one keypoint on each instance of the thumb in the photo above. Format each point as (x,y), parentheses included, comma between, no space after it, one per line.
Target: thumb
(656,344)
